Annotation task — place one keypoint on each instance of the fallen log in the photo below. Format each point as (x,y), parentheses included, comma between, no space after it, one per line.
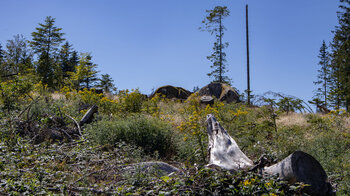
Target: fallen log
(298,167)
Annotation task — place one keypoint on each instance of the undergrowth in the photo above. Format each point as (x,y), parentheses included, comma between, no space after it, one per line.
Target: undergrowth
(130,128)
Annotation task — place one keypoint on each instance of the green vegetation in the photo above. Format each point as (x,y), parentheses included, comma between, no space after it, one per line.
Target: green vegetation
(46,87)
(162,130)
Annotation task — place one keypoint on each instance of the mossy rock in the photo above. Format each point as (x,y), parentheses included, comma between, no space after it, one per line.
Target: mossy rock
(172,92)
(222,91)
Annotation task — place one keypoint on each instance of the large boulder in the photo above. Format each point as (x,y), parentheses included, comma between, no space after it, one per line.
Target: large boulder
(222,91)
(172,92)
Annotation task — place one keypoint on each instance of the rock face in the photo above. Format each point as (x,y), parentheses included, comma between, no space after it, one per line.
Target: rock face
(171,92)
(223,92)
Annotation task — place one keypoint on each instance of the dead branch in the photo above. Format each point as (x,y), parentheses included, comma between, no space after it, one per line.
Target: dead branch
(77,124)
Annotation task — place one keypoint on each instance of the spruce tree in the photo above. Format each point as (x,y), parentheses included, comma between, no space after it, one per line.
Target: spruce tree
(213,23)
(46,41)
(106,83)
(323,77)
(65,59)
(1,54)
(2,63)
(85,74)
(340,71)
(90,71)
(73,60)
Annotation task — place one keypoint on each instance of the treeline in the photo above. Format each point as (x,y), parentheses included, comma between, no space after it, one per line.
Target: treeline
(50,60)
(334,72)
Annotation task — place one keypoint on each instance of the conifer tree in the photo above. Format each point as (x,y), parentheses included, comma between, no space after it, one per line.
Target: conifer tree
(214,25)
(85,74)
(73,60)
(46,41)
(65,59)
(90,70)
(106,83)
(340,68)
(2,63)
(323,77)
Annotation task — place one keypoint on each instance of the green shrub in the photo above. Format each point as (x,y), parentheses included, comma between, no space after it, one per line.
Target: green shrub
(199,181)
(14,92)
(130,102)
(148,133)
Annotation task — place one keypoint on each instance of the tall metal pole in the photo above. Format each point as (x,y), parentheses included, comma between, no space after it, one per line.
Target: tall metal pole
(248,74)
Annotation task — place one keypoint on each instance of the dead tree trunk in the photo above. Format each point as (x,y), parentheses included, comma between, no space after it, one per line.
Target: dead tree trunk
(302,167)
(298,167)
(87,118)
(223,150)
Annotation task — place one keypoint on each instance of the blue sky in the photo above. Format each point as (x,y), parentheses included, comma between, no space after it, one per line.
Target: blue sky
(149,43)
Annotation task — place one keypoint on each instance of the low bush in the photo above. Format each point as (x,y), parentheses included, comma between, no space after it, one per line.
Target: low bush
(200,181)
(151,134)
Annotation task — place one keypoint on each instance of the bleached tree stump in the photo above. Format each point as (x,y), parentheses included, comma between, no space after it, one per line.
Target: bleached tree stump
(298,167)
(223,150)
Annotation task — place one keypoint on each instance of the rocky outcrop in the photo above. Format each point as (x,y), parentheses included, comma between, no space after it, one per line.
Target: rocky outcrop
(223,92)
(172,92)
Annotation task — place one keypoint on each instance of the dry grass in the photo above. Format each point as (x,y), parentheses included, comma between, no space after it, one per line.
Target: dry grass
(57,96)
(292,119)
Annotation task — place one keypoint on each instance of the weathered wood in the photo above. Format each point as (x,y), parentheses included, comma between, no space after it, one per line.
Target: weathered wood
(163,167)
(302,167)
(297,167)
(223,150)
(87,118)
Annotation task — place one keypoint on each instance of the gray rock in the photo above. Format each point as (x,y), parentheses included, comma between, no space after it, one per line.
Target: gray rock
(223,92)
(172,92)
(207,100)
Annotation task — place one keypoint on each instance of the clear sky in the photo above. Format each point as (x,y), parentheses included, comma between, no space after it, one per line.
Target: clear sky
(149,43)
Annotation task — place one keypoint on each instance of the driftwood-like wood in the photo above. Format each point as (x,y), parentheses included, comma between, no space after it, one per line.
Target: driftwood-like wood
(87,118)
(302,167)
(223,150)
(162,167)
(297,167)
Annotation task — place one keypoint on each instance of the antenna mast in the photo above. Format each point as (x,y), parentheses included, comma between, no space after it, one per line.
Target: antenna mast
(248,74)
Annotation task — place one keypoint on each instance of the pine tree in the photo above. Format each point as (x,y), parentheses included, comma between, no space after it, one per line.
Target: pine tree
(65,56)
(340,71)
(1,54)
(73,60)
(45,43)
(106,83)
(85,74)
(2,64)
(323,77)
(213,24)
(90,71)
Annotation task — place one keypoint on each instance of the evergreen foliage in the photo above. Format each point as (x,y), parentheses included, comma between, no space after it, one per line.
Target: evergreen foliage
(323,77)
(85,75)
(340,63)
(45,43)
(106,83)
(213,24)
(66,64)
(89,71)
